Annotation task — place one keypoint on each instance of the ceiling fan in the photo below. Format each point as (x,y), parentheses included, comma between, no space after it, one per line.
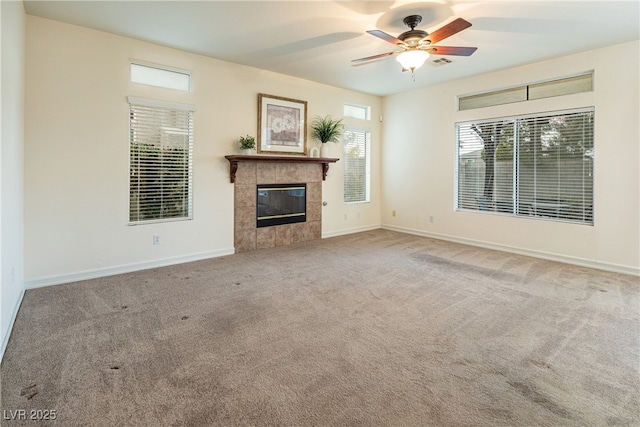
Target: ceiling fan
(417,45)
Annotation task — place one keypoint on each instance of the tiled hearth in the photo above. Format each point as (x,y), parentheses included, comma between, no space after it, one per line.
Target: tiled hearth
(247,237)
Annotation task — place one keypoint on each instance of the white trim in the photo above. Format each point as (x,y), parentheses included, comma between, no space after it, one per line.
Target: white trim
(125,268)
(616,268)
(159,104)
(534,115)
(350,231)
(14,314)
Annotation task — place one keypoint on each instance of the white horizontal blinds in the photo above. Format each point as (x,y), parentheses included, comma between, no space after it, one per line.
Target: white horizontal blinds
(485,165)
(161,159)
(536,166)
(555,175)
(357,165)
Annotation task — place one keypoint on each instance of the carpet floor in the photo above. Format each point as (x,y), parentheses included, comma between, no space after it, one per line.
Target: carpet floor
(371,329)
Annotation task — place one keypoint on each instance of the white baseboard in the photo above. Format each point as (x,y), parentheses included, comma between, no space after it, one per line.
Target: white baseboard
(7,333)
(125,268)
(350,231)
(616,268)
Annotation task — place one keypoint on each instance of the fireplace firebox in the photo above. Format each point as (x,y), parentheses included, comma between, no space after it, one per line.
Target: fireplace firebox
(279,204)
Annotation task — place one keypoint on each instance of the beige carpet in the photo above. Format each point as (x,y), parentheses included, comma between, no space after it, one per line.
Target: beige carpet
(372,329)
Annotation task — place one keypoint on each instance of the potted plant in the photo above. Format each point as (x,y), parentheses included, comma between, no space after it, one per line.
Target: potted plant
(247,143)
(325,129)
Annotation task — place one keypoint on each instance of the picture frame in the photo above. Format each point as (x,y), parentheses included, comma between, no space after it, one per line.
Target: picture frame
(282,125)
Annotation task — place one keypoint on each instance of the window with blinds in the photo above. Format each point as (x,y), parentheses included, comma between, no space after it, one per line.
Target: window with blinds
(357,165)
(537,166)
(161,161)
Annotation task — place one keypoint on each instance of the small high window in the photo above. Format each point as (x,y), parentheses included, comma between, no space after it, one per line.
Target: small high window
(160,76)
(546,89)
(357,111)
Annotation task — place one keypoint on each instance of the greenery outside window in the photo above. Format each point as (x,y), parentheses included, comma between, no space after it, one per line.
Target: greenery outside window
(538,166)
(161,161)
(357,165)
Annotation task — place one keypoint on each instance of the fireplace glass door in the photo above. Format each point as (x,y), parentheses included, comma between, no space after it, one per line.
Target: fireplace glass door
(279,204)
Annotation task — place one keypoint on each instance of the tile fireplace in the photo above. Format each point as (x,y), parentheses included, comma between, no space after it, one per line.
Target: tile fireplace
(252,175)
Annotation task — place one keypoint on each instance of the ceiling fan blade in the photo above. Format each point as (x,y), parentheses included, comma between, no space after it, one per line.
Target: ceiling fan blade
(386,37)
(448,30)
(368,58)
(451,50)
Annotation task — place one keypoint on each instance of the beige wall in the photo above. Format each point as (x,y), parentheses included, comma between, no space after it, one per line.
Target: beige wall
(76,153)
(12,22)
(419,162)
(76,157)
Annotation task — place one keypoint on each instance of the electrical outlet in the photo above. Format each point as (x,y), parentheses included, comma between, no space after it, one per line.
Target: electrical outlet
(345,216)
(156,239)
(431,218)
(393,213)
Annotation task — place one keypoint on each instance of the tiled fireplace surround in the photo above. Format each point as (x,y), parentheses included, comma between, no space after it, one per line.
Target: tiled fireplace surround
(247,237)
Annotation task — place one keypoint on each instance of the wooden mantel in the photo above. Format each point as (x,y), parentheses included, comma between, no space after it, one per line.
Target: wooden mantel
(235,159)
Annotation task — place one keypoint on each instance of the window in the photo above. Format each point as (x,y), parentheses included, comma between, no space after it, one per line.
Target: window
(535,166)
(161,159)
(546,89)
(156,75)
(357,165)
(357,111)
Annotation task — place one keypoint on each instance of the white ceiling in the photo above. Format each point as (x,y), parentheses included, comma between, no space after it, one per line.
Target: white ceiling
(316,40)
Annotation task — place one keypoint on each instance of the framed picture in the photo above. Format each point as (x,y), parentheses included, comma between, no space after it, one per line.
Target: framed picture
(282,125)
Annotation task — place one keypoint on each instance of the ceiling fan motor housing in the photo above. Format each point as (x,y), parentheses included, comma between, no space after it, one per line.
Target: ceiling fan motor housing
(413,36)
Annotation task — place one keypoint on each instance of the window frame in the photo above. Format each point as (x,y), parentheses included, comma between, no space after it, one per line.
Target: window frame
(568,85)
(365,108)
(139,104)
(367,135)
(519,185)
(160,68)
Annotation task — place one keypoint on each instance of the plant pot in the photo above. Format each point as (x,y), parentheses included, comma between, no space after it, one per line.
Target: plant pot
(246,151)
(324,150)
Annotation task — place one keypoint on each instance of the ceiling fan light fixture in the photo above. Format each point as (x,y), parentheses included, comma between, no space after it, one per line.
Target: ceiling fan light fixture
(412,59)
